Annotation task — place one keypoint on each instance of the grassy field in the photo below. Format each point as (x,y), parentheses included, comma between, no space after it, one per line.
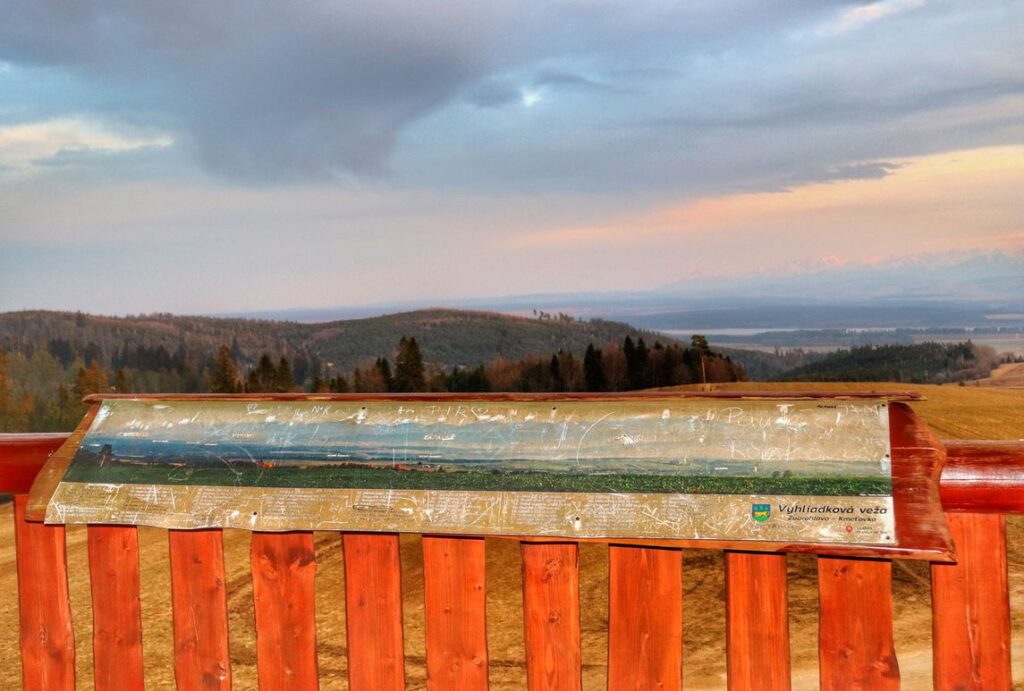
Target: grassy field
(469,480)
(954,412)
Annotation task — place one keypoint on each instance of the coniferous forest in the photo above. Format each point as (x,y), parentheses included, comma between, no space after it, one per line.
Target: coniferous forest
(41,388)
(50,361)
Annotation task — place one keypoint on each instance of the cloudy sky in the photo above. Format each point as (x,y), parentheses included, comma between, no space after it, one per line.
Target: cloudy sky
(197,156)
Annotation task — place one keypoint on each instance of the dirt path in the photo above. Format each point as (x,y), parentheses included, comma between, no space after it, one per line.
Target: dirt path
(1008,375)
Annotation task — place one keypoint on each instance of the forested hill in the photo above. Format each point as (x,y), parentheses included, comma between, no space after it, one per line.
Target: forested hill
(446,337)
(932,363)
(49,361)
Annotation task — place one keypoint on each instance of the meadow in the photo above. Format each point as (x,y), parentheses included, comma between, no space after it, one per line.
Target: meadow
(955,412)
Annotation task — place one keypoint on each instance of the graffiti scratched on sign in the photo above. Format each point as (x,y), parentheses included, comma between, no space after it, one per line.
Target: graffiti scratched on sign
(815,471)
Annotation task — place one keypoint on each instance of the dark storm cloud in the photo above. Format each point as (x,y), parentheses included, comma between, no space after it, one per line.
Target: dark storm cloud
(262,90)
(711,94)
(271,91)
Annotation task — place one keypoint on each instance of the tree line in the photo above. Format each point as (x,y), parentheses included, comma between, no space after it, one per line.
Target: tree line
(42,390)
(920,363)
(628,367)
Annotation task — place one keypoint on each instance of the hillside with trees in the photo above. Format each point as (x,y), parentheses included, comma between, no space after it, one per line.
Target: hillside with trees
(49,361)
(446,337)
(931,363)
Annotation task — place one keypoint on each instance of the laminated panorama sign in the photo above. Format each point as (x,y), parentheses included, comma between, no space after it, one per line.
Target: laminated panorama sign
(666,468)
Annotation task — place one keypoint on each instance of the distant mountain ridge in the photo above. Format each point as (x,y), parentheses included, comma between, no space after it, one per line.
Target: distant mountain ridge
(955,283)
(995,276)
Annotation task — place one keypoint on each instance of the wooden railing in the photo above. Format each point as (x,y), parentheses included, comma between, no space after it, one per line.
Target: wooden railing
(981,482)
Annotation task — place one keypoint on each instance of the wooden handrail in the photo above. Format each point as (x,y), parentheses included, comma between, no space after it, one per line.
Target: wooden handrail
(983,477)
(22,457)
(978,477)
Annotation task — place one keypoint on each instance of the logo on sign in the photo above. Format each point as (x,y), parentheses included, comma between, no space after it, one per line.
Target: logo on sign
(761,512)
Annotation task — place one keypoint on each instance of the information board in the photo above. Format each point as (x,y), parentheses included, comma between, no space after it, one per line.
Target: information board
(668,468)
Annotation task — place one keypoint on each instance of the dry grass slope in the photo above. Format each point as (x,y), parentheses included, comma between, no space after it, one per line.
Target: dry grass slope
(955,412)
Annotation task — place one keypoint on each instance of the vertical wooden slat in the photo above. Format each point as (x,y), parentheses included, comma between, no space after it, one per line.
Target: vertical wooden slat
(551,614)
(373,614)
(757,621)
(455,607)
(47,638)
(971,607)
(283,588)
(855,643)
(645,618)
(116,607)
(200,610)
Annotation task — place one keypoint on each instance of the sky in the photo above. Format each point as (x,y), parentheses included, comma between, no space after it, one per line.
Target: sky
(200,157)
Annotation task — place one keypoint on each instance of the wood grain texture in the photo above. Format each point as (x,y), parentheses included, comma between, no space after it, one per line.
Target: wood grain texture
(971,608)
(47,637)
(373,614)
(49,476)
(889,395)
(855,642)
(551,616)
(917,460)
(757,621)
(116,607)
(983,477)
(22,457)
(283,588)
(199,606)
(455,605)
(645,618)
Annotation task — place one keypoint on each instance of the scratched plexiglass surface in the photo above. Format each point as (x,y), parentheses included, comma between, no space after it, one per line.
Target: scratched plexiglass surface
(808,471)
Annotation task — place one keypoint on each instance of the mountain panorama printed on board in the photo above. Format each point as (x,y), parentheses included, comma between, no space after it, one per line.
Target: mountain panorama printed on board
(656,446)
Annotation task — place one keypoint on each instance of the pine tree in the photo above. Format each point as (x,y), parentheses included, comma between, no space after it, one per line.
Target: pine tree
(121,381)
(593,371)
(410,375)
(263,377)
(636,362)
(283,379)
(557,383)
(224,375)
(700,342)
(383,370)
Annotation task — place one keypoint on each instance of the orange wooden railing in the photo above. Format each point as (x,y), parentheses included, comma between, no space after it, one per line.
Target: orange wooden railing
(981,482)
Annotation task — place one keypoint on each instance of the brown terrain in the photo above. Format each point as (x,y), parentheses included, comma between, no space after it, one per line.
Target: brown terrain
(1008,375)
(968,412)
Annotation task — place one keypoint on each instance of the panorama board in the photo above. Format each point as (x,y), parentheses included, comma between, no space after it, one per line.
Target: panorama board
(814,471)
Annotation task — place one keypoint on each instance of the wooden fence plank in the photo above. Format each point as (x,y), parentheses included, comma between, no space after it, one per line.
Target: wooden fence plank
(47,637)
(645,618)
(455,607)
(971,607)
(551,615)
(855,642)
(116,607)
(373,614)
(757,621)
(199,605)
(283,588)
